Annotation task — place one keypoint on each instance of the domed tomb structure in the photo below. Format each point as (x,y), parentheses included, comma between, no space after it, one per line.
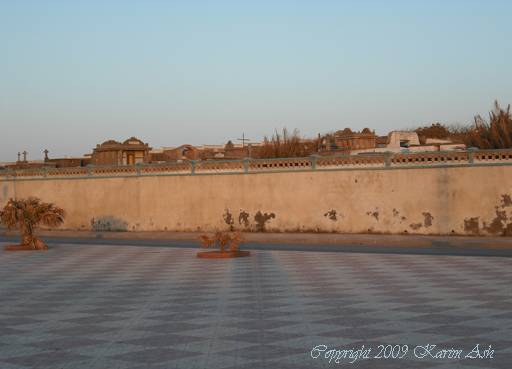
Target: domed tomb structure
(349,140)
(131,151)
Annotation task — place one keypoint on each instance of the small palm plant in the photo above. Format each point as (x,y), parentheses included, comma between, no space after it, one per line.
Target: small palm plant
(27,215)
(228,244)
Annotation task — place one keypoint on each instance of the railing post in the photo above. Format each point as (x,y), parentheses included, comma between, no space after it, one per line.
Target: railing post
(312,159)
(137,169)
(471,159)
(45,172)
(192,167)
(89,171)
(387,159)
(246,165)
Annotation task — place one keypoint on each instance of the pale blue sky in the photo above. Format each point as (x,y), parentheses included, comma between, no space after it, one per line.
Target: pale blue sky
(75,73)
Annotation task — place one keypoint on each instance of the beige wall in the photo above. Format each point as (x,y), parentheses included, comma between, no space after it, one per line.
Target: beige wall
(425,201)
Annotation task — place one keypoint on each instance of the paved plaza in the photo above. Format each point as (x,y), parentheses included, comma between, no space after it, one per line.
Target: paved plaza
(129,307)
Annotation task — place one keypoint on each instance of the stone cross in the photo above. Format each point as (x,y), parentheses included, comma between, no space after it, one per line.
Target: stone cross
(46,154)
(19,156)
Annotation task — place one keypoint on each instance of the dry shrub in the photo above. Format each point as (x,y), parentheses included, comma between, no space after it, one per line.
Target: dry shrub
(222,240)
(493,134)
(436,130)
(207,241)
(496,133)
(286,145)
(236,240)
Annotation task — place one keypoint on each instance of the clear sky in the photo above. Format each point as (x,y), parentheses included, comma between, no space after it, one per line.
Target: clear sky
(76,73)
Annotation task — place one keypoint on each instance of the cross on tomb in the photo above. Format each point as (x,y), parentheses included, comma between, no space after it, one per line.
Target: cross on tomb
(243,139)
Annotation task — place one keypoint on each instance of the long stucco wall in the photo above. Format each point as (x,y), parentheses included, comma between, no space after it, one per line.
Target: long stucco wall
(461,200)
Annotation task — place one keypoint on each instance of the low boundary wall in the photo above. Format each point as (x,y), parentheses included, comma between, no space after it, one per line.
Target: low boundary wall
(464,193)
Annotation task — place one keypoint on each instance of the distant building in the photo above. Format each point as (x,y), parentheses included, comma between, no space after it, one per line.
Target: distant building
(241,151)
(66,162)
(133,151)
(166,154)
(130,152)
(397,139)
(205,152)
(406,141)
(236,151)
(32,164)
(348,140)
(24,163)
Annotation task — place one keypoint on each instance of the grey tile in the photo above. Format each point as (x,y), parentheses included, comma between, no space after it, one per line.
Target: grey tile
(45,359)
(66,343)
(154,355)
(116,307)
(162,340)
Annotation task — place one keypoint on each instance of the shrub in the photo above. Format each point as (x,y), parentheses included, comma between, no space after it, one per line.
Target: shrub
(222,240)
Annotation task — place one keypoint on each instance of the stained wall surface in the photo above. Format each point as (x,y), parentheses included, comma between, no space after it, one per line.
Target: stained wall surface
(458,200)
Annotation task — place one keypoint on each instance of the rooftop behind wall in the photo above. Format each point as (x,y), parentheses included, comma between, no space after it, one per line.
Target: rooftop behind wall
(313,163)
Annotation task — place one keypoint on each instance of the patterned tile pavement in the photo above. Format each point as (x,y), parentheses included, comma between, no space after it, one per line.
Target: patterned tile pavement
(127,307)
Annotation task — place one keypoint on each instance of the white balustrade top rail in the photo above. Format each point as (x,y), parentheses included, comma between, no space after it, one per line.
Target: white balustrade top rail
(312,163)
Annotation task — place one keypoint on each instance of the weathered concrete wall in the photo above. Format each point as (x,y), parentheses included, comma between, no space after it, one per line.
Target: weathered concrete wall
(462,200)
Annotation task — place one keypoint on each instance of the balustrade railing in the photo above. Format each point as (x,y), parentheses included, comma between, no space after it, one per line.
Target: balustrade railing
(430,158)
(312,163)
